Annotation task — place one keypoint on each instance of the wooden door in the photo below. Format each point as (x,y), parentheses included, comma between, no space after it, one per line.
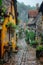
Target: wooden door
(0,44)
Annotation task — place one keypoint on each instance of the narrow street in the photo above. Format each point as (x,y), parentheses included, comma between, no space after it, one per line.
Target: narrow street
(21,32)
(25,55)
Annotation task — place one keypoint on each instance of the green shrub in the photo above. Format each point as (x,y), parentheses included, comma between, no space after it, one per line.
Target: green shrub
(10,24)
(39,47)
(27,35)
(4,9)
(31,35)
(26,32)
(33,42)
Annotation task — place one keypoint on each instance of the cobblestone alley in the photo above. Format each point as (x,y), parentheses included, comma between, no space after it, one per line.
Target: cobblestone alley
(25,56)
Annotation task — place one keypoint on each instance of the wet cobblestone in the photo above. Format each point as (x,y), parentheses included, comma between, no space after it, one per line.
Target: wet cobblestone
(25,56)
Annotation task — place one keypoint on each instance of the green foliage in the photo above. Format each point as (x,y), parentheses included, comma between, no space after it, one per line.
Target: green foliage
(2,13)
(39,47)
(33,42)
(10,24)
(27,35)
(2,19)
(0,2)
(4,9)
(31,35)
(26,31)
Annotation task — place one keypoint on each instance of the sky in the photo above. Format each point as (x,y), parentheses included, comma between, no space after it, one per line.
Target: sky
(30,2)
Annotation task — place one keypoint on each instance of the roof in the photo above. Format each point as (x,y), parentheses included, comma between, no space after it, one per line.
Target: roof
(32,13)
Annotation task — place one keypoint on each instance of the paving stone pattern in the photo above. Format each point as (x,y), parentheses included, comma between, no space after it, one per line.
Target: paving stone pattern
(25,55)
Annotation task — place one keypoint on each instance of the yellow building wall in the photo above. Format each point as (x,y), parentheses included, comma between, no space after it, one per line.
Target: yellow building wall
(4,31)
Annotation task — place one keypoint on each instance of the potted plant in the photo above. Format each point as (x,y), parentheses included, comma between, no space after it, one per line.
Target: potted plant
(39,51)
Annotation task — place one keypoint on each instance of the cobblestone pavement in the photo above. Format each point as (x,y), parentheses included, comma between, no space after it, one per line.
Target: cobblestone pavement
(25,56)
